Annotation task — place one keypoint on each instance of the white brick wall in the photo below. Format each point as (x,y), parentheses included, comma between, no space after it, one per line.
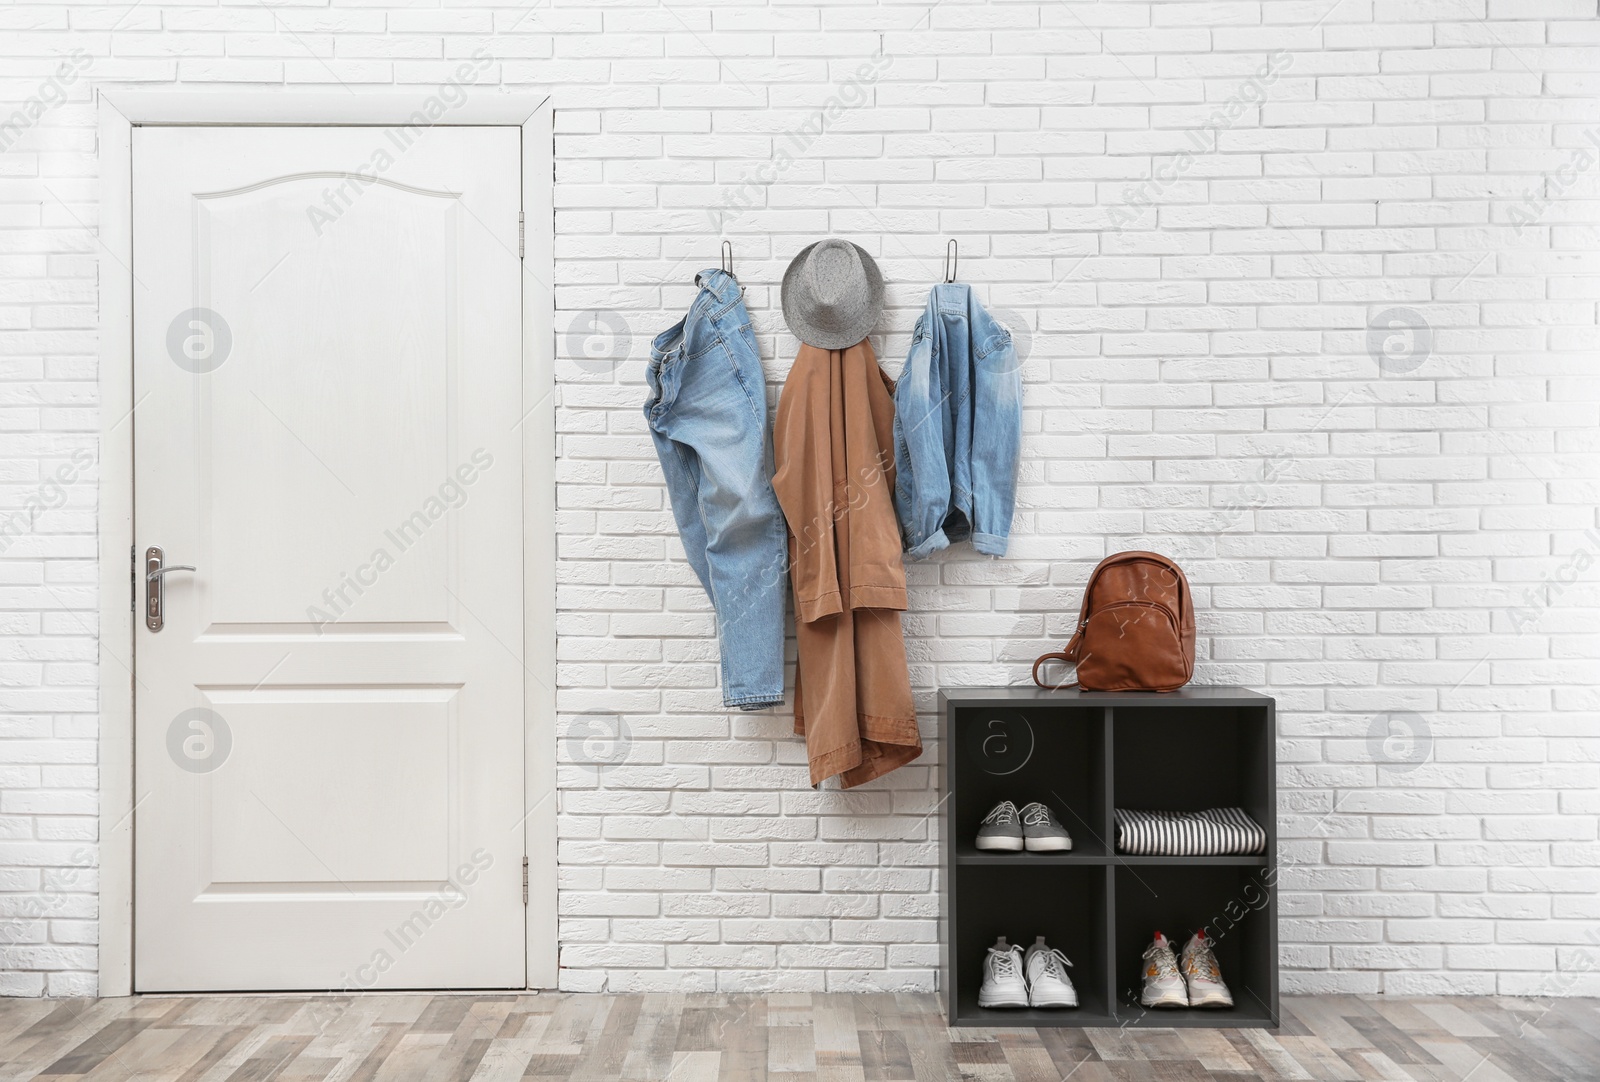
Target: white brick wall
(1193,211)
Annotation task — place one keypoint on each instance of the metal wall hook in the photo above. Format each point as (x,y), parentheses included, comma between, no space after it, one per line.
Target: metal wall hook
(952,258)
(727,260)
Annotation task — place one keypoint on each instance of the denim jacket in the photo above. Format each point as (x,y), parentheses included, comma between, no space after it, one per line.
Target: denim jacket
(957,428)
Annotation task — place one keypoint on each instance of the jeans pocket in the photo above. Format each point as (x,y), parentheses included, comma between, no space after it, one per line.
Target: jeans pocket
(745,368)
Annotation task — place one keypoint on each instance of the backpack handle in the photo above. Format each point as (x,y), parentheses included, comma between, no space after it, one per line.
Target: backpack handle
(1067,656)
(1061,657)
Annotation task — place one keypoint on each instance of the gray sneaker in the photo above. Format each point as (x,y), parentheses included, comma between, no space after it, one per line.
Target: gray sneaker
(1001,828)
(1042,832)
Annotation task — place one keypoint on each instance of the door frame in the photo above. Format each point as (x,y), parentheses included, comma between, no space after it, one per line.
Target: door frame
(122,108)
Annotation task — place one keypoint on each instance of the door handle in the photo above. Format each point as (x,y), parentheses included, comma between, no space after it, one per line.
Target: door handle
(154,573)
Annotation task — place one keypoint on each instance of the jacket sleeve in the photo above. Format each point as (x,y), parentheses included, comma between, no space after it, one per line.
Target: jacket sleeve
(996,433)
(922,476)
(804,485)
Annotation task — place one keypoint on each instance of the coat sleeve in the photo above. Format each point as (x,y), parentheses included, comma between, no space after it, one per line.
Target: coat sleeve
(922,476)
(804,486)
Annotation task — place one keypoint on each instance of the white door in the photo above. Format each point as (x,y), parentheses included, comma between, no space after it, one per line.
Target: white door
(329,722)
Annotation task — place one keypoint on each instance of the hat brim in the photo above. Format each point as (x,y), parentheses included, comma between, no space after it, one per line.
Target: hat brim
(842,337)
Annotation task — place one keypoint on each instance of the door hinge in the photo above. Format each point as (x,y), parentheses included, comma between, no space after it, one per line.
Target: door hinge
(524,880)
(133,578)
(522,236)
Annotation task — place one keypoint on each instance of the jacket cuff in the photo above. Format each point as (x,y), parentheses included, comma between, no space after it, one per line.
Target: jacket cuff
(934,542)
(990,544)
(878,597)
(828,604)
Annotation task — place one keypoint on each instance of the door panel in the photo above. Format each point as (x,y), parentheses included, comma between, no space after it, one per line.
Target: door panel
(329,727)
(368,743)
(397,245)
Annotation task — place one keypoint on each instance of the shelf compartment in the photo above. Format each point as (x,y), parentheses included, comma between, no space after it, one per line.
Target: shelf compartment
(1065,904)
(1055,755)
(1195,758)
(1237,905)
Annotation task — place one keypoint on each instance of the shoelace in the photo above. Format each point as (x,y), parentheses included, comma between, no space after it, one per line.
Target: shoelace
(1053,963)
(1202,963)
(1036,815)
(1166,964)
(1003,813)
(1006,962)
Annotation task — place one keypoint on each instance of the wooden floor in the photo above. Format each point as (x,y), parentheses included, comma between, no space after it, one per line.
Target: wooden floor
(788,1038)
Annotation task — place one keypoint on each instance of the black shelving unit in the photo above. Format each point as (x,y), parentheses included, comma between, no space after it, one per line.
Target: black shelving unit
(1086,753)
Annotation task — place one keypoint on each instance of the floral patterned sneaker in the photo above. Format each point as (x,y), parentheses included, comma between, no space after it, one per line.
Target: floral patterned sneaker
(1163,984)
(1203,975)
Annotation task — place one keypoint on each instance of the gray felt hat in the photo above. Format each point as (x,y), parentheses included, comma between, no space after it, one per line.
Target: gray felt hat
(832,294)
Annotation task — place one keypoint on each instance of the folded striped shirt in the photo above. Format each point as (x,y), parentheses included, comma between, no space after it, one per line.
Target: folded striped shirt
(1214,832)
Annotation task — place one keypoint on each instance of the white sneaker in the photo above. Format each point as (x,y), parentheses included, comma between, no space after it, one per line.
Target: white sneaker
(1003,985)
(1048,983)
(1204,976)
(1163,984)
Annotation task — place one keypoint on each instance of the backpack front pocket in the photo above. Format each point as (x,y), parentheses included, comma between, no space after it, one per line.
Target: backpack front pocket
(1131,646)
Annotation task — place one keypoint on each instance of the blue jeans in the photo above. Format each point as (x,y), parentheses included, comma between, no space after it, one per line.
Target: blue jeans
(957,428)
(708,416)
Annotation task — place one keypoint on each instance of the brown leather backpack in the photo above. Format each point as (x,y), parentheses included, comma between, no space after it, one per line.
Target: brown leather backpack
(1136,630)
